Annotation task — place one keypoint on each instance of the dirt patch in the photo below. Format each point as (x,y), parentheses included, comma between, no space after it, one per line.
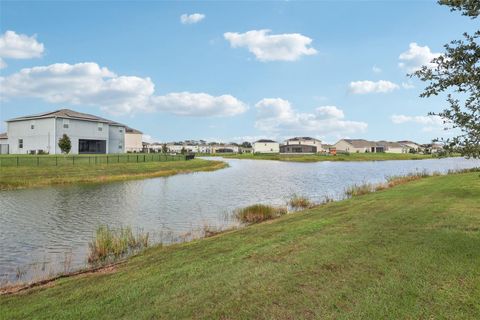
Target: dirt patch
(50,282)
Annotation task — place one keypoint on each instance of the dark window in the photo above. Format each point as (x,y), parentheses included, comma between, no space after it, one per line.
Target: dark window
(92,146)
(20,143)
(65,125)
(32,126)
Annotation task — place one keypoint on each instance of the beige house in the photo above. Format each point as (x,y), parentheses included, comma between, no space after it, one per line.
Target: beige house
(412,146)
(133,140)
(357,146)
(393,147)
(266,146)
(305,141)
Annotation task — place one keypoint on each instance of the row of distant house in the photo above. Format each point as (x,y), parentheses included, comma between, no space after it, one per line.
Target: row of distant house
(308,145)
(91,134)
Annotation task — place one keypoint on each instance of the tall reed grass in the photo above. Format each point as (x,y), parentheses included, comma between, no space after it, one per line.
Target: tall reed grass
(299,202)
(258,213)
(110,244)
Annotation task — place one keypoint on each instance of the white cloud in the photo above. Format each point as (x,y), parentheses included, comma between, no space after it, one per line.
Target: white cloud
(376,69)
(423,120)
(277,115)
(268,47)
(199,104)
(416,57)
(363,87)
(191,18)
(18,46)
(89,84)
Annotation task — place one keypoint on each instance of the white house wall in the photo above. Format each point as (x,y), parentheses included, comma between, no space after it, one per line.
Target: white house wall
(79,129)
(116,141)
(41,137)
(266,147)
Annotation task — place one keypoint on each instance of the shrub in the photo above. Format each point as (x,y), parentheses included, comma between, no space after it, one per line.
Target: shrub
(115,243)
(358,190)
(299,202)
(258,213)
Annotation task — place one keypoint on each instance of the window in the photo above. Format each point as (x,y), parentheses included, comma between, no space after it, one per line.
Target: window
(120,147)
(20,143)
(32,125)
(121,130)
(66,123)
(100,126)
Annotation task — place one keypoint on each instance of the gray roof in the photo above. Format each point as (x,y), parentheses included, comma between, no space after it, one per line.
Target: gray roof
(265,140)
(361,143)
(302,138)
(131,130)
(390,144)
(66,114)
(3,135)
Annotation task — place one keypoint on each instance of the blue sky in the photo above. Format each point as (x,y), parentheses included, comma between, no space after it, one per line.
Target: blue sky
(317,72)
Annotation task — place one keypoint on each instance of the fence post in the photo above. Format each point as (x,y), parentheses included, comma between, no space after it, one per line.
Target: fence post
(73,160)
(107,159)
(17,161)
(38,161)
(56,161)
(118,161)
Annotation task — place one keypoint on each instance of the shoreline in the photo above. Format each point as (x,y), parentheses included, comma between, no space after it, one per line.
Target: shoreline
(18,178)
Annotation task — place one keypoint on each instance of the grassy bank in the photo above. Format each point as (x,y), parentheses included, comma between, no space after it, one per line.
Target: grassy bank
(339,157)
(409,252)
(32,176)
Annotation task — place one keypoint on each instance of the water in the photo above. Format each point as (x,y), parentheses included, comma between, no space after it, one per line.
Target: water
(39,226)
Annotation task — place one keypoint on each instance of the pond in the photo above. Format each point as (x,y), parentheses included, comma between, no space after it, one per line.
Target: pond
(40,227)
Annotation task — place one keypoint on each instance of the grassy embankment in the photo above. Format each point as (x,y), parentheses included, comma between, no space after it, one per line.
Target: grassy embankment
(319,157)
(32,176)
(409,252)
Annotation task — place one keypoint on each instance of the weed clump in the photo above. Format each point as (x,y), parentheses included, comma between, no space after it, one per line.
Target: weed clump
(299,202)
(258,213)
(112,244)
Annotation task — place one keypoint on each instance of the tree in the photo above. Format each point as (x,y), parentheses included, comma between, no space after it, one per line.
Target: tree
(65,144)
(457,72)
(469,8)
(246,144)
(164,148)
(183,151)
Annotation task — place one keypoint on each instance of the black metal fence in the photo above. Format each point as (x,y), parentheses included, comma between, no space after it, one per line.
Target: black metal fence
(49,160)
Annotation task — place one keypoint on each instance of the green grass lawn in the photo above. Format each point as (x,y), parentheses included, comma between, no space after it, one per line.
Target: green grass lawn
(320,157)
(410,252)
(33,176)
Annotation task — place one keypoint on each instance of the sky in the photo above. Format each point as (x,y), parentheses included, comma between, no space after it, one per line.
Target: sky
(229,71)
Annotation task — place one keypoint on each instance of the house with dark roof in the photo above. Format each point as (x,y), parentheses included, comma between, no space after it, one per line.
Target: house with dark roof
(302,145)
(89,134)
(266,146)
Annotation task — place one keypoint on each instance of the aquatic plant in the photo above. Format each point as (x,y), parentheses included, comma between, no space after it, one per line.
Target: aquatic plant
(259,212)
(299,202)
(111,244)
